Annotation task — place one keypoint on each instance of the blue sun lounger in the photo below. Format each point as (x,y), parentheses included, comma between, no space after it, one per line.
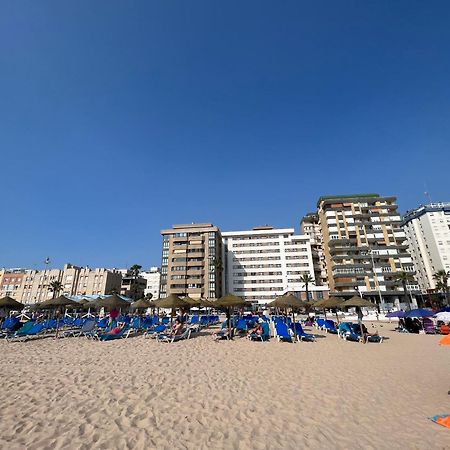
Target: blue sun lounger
(36,330)
(329,327)
(154,331)
(301,335)
(282,332)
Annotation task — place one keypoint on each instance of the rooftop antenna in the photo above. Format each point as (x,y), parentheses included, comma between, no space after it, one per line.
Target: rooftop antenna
(427,194)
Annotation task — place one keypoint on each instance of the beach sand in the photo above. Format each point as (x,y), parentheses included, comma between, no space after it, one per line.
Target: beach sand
(198,394)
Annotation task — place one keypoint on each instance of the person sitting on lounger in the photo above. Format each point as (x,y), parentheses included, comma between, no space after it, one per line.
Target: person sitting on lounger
(257,329)
(116,330)
(177,327)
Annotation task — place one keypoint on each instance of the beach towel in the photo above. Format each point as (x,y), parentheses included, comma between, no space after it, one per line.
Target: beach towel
(443,420)
(445,340)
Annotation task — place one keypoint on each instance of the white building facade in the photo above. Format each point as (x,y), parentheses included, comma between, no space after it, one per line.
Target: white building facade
(153,278)
(263,263)
(427,230)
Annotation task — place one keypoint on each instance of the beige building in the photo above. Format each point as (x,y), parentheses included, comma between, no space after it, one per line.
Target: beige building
(192,261)
(364,246)
(310,226)
(31,286)
(11,283)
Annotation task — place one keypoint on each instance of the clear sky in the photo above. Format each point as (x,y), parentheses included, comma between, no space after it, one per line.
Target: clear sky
(121,118)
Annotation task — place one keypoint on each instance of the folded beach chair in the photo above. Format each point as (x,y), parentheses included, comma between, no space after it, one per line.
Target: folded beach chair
(428,326)
(301,335)
(282,332)
(162,337)
(265,336)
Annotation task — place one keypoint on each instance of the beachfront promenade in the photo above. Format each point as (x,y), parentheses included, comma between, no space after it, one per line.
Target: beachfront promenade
(137,393)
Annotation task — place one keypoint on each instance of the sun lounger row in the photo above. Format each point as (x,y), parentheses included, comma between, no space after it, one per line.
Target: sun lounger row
(288,334)
(352,332)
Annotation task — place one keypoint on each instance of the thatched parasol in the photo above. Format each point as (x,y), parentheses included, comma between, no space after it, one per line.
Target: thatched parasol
(9,303)
(111,302)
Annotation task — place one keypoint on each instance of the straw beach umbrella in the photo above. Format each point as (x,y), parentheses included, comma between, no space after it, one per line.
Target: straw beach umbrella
(111,302)
(289,301)
(171,302)
(55,303)
(9,303)
(229,301)
(356,301)
(331,303)
(141,304)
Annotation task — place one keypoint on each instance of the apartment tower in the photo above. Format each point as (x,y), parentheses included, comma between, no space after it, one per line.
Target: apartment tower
(364,246)
(263,263)
(427,229)
(191,261)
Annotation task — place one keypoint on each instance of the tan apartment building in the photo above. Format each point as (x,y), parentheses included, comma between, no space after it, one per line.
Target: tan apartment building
(33,286)
(192,261)
(11,281)
(364,246)
(310,226)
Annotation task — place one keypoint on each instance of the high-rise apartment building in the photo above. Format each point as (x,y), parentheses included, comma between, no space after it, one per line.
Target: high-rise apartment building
(427,229)
(191,261)
(310,226)
(364,245)
(264,262)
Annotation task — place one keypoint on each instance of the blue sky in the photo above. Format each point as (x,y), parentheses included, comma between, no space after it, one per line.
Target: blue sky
(118,119)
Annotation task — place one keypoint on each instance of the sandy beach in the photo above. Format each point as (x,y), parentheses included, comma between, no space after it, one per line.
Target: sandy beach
(200,394)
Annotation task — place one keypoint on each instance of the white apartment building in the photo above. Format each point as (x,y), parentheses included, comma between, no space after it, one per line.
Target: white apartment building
(264,262)
(153,278)
(427,230)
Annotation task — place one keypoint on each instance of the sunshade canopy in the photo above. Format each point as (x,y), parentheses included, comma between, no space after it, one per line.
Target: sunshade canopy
(10,303)
(111,302)
(420,312)
(288,301)
(142,303)
(172,301)
(229,301)
(357,301)
(192,301)
(57,302)
(332,302)
(443,316)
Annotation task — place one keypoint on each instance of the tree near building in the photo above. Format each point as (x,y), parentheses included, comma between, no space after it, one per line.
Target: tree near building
(442,277)
(134,287)
(307,279)
(55,287)
(404,278)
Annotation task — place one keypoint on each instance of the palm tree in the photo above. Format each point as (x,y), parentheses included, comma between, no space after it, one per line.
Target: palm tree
(134,269)
(55,287)
(441,277)
(405,277)
(307,279)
